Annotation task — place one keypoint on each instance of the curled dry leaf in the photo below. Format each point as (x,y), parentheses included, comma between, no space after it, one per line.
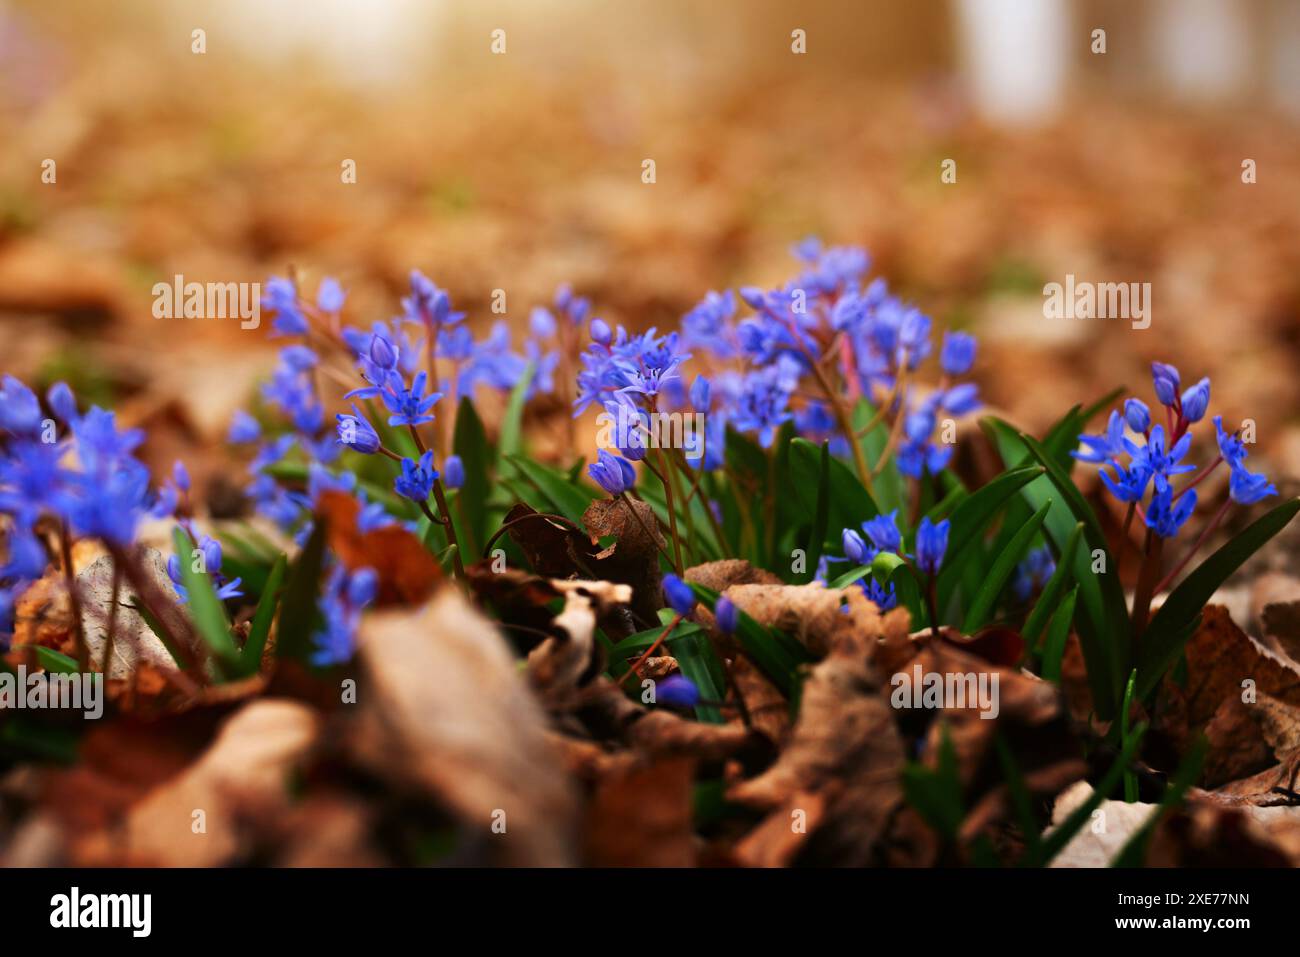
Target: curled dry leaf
(561,663)
(445,713)
(844,747)
(633,557)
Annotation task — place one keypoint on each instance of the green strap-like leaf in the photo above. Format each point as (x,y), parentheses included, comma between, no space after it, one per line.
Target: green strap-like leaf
(1051,595)
(1058,633)
(982,606)
(1171,626)
(251,657)
(206,610)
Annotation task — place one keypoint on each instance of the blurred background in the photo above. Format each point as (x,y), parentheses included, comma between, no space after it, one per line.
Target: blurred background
(522,170)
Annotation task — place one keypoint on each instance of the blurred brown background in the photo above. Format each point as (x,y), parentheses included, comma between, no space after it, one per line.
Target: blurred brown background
(523,170)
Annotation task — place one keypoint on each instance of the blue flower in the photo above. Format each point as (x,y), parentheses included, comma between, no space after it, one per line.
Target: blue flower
(1166,380)
(1247,488)
(961,399)
(1137,415)
(677,691)
(1033,573)
(762,405)
(679,595)
(20,410)
(1162,465)
(453,472)
(416,480)
(281,297)
(1230,446)
(884,598)
(958,353)
(855,549)
(1195,401)
(341,604)
(883,532)
(1106,447)
(615,475)
(411,406)
(1129,484)
(709,326)
(330,295)
(931,544)
(600,332)
(243,428)
(63,402)
(356,432)
(700,394)
(1164,517)
(726,614)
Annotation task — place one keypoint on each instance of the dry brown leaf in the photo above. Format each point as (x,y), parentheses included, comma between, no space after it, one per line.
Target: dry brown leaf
(641,816)
(243,774)
(408,574)
(445,712)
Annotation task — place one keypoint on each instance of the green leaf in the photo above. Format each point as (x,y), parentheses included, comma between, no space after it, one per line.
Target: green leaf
(982,606)
(471,444)
(1051,595)
(206,610)
(888,568)
(1055,842)
(56,662)
(299,609)
(935,793)
(969,520)
(1171,626)
(891,490)
(697,660)
(564,498)
(849,503)
(1133,853)
(509,441)
(777,654)
(251,656)
(821,515)
(1058,633)
(1104,631)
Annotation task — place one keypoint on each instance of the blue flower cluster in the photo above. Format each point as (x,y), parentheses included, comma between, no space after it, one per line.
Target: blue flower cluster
(1148,465)
(70,473)
(407,365)
(883,537)
(826,321)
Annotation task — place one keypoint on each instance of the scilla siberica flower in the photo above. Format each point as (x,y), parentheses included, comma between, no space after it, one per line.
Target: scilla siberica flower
(677,691)
(931,544)
(679,595)
(612,473)
(1159,457)
(726,614)
(417,478)
(210,551)
(341,604)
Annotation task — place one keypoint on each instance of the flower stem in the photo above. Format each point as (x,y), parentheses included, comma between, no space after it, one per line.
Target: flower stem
(636,665)
(670,501)
(1147,577)
(1200,540)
